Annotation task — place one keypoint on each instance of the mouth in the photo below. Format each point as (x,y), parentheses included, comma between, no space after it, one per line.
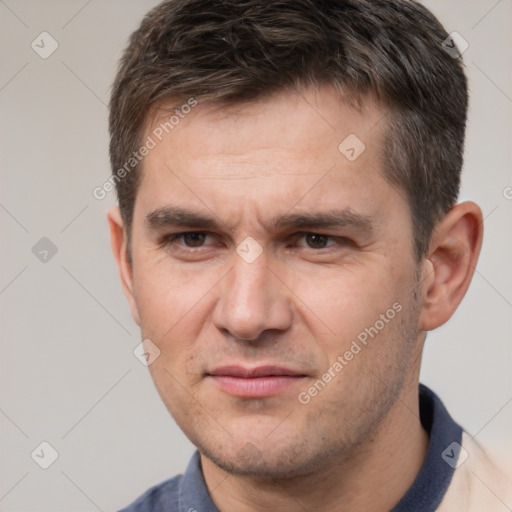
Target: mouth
(259,382)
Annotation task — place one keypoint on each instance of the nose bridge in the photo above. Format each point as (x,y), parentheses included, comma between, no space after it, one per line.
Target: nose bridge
(250,301)
(248,286)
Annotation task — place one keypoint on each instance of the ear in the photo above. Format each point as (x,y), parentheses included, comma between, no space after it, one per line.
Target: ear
(118,241)
(450,263)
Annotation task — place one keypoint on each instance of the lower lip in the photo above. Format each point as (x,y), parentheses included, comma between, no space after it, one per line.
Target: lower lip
(255,387)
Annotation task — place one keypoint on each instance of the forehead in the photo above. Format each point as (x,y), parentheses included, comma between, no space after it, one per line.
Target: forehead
(292,150)
(317,118)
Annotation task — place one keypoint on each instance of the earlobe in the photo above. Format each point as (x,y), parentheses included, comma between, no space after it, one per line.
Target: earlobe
(118,242)
(451,263)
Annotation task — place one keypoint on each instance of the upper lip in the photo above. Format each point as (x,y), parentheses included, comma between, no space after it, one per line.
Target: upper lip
(259,371)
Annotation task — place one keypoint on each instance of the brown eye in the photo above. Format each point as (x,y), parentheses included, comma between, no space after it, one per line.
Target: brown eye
(316,241)
(194,239)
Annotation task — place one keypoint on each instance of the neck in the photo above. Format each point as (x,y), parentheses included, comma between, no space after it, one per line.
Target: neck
(372,477)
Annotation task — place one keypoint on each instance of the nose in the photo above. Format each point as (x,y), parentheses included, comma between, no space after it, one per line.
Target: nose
(252,301)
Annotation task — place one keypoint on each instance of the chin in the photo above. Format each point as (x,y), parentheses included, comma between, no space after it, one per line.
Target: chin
(267,460)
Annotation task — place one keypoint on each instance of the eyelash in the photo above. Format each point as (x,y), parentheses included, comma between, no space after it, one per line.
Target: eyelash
(172,238)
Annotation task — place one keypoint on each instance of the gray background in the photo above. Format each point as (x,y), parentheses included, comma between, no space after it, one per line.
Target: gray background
(68,374)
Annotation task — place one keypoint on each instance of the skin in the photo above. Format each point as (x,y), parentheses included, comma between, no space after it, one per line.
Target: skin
(358,444)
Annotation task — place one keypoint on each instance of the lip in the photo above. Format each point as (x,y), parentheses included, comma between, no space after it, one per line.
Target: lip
(259,382)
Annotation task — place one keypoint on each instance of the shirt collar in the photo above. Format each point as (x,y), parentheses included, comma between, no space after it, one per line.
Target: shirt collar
(193,493)
(431,484)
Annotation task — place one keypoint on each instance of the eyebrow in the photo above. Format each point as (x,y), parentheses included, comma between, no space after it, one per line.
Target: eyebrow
(173,217)
(325,220)
(180,217)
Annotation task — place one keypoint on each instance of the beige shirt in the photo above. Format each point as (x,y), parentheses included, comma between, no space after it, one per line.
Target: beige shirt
(478,483)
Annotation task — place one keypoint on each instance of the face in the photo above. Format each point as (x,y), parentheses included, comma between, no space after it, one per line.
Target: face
(275,273)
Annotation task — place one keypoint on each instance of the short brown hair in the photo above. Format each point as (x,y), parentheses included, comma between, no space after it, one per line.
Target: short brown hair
(228,51)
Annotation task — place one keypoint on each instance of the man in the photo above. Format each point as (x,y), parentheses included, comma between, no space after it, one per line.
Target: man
(287,233)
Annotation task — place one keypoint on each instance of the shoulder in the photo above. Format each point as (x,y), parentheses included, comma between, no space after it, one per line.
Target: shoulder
(164,496)
(479,482)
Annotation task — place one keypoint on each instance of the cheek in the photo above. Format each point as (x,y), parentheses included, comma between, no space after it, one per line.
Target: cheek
(165,292)
(344,301)
(172,305)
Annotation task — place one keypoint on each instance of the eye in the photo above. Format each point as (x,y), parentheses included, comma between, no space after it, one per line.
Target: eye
(190,246)
(187,240)
(195,239)
(315,241)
